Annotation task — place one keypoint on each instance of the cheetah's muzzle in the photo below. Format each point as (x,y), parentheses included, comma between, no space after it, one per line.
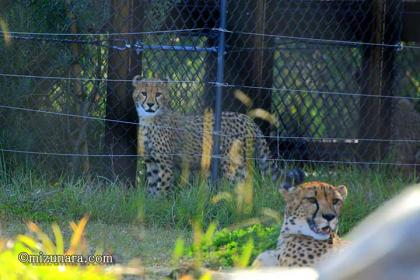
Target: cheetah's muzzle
(326,230)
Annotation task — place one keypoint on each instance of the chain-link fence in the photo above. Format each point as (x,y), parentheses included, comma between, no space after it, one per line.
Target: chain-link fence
(331,72)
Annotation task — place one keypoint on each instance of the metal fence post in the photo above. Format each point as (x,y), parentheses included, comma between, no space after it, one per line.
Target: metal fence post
(219,92)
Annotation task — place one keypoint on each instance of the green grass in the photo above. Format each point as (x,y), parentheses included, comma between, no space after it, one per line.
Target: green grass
(149,246)
(26,196)
(130,225)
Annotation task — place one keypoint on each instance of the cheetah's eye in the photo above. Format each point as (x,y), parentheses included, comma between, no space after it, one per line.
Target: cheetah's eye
(311,199)
(143,93)
(335,201)
(158,94)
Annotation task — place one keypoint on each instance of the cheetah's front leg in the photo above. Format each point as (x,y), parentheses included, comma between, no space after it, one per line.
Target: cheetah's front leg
(152,176)
(159,172)
(166,175)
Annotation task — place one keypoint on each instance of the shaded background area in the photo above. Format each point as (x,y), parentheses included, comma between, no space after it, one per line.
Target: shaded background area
(327,70)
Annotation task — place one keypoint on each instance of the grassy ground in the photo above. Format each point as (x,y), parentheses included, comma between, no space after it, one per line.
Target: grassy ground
(127,224)
(127,243)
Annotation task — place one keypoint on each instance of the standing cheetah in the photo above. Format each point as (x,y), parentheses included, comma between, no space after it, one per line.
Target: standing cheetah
(170,141)
(310,218)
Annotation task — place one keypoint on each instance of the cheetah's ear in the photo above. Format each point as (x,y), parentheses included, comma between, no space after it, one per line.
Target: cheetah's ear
(343,191)
(137,80)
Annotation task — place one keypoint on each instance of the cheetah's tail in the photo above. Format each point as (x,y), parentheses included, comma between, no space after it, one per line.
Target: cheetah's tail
(277,168)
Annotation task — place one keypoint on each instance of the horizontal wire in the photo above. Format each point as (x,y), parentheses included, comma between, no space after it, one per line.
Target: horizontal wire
(102,34)
(48,39)
(352,162)
(225,85)
(286,46)
(212,156)
(412,47)
(338,139)
(138,46)
(88,117)
(89,155)
(212,83)
(337,161)
(274,48)
(211,132)
(91,79)
(398,45)
(320,92)
(230,49)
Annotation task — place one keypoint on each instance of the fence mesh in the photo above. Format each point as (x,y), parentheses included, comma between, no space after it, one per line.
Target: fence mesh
(333,73)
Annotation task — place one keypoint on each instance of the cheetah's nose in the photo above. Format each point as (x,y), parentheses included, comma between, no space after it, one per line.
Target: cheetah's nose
(328,217)
(150,104)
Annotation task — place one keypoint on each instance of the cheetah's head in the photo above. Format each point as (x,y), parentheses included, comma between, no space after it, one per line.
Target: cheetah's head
(149,96)
(312,208)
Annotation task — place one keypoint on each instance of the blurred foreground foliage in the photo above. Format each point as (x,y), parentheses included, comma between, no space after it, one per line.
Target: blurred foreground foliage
(38,241)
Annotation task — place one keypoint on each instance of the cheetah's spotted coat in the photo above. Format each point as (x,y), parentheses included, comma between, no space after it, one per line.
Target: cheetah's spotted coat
(310,219)
(170,141)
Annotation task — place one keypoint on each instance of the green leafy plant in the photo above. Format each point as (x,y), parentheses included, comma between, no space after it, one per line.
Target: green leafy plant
(237,247)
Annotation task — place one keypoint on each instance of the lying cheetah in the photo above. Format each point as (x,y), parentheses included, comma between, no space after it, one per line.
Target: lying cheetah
(310,218)
(171,141)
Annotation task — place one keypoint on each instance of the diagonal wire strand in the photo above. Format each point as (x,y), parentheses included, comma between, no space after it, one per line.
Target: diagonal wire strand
(399,45)
(211,156)
(91,79)
(184,120)
(321,92)
(226,84)
(101,34)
